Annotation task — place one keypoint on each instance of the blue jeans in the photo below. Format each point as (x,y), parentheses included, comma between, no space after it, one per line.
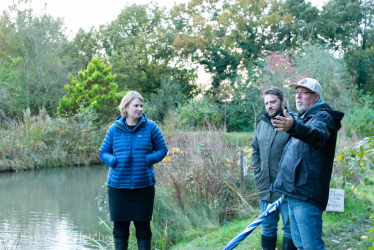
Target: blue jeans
(269,226)
(306,225)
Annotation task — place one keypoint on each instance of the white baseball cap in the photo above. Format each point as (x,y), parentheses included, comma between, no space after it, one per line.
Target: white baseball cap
(308,83)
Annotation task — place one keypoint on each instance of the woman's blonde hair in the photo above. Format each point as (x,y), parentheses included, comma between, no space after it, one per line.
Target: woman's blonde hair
(131,95)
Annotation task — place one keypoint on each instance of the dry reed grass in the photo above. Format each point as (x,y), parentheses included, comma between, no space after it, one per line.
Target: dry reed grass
(41,142)
(198,165)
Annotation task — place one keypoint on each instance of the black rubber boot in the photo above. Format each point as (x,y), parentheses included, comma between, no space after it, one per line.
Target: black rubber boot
(144,244)
(288,244)
(268,243)
(121,243)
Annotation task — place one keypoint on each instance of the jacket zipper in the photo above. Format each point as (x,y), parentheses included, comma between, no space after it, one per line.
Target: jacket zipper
(131,155)
(132,145)
(132,148)
(273,134)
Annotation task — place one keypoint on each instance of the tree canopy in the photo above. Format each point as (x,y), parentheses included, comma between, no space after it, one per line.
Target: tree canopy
(235,41)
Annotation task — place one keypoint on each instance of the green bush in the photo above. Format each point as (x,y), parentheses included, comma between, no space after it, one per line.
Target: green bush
(94,88)
(359,119)
(167,99)
(352,163)
(199,113)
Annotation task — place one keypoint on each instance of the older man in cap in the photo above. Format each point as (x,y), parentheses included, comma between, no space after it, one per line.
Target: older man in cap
(305,168)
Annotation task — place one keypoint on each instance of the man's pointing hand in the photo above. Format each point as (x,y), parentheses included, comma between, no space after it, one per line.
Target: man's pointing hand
(283,123)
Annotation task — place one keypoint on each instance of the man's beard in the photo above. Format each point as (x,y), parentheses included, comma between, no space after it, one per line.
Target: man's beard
(300,107)
(275,112)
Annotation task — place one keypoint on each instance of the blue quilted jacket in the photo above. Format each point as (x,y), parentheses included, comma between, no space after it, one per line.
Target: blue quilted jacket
(130,154)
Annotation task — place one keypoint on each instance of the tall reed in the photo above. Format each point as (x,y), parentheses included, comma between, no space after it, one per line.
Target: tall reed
(192,196)
(42,142)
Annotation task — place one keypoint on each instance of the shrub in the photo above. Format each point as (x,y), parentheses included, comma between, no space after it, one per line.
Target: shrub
(199,112)
(359,119)
(166,100)
(351,164)
(94,88)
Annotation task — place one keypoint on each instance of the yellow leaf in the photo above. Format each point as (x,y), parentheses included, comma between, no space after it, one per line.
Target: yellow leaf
(338,158)
(176,150)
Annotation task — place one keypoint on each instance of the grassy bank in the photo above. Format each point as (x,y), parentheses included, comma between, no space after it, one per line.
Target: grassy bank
(340,230)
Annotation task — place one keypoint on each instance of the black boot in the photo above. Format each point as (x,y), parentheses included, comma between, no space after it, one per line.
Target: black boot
(288,244)
(121,243)
(268,243)
(144,244)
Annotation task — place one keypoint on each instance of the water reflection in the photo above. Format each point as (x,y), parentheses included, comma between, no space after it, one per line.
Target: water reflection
(52,208)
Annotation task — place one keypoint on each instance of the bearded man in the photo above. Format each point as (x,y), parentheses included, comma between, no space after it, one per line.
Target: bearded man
(268,146)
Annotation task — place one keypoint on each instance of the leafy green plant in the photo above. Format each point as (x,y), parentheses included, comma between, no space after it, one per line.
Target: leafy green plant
(360,118)
(371,230)
(8,88)
(167,99)
(199,112)
(351,164)
(95,88)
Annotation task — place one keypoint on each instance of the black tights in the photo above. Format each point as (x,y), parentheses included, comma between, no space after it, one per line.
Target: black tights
(122,229)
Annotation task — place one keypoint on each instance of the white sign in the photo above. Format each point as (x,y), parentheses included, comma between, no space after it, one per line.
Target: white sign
(245,166)
(336,200)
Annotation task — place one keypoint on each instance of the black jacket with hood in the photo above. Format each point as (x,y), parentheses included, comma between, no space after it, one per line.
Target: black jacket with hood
(268,146)
(306,164)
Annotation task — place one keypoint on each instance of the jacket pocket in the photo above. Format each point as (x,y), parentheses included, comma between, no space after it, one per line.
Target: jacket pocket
(289,174)
(302,179)
(146,163)
(114,161)
(263,181)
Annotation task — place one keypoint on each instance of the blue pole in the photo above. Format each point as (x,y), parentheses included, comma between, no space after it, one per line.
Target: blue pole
(272,208)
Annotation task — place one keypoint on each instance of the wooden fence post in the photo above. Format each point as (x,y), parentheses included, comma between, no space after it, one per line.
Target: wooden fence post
(242,180)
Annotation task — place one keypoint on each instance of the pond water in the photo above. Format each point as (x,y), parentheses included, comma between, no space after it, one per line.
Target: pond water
(51,208)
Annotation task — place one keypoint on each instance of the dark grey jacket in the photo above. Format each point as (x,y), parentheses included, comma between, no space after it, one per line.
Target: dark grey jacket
(306,165)
(267,151)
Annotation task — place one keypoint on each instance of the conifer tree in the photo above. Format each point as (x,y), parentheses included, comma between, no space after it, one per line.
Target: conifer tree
(93,88)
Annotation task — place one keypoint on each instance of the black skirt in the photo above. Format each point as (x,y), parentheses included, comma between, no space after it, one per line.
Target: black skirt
(131,204)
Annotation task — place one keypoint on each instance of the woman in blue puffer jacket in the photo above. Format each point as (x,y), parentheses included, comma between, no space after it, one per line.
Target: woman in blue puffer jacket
(130,148)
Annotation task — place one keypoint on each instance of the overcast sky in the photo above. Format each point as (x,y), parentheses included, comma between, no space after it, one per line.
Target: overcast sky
(87,13)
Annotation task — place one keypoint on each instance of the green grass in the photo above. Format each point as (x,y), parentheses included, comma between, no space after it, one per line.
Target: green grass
(218,239)
(240,139)
(347,228)
(344,230)
(340,230)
